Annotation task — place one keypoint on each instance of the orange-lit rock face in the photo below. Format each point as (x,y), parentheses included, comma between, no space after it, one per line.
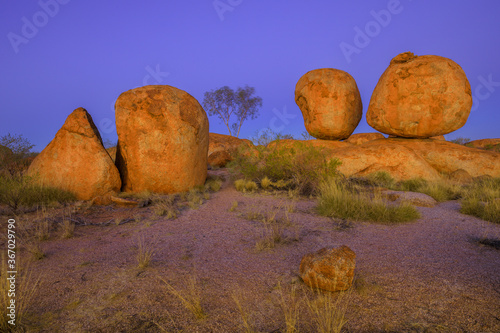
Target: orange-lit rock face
(420,97)
(162,140)
(330,103)
(329,269)
(75,160)
(222,148)
(360,138)
(399,161)
(448,157)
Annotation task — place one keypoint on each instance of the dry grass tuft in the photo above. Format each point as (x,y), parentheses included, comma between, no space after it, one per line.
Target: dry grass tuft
(245,316)
(337,200)
(328,311)
(25,288)
(145,253)
(190,298)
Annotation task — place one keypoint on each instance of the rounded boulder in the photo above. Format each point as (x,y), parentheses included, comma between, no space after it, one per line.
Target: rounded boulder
(330,103)
(162,140)
(420,97)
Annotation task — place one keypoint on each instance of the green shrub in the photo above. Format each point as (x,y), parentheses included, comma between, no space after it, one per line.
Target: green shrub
(251,186)
(482,199)
(23,191)
(381,178)
(300,167)
(412,185)
(336,200)
(265,183)
(460,140)
(240,185)
(213,184)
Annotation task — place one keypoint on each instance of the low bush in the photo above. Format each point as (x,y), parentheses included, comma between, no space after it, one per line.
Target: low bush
(23,191)
(482,199)
(336,200)
(300,167)
(381,178)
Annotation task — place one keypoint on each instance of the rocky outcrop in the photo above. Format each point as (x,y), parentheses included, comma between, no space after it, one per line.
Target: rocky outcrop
(162,140)
(420,97)
(399,161)
(330,103)
(484,143)
(360,138)
(76,161)
(448,157)
(222,148)
(329,269)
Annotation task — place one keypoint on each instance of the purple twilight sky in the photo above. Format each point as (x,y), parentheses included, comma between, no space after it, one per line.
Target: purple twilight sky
(57,55)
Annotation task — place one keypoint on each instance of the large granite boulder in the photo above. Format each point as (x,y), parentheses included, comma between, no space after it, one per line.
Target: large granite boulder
(162,140)
(76,161)
(420,97)
(330,103)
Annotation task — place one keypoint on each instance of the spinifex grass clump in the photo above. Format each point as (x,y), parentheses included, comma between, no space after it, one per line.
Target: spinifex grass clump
(441,190)
(482,199)
(301,167)
(337,200)
(23,191)
(145,253)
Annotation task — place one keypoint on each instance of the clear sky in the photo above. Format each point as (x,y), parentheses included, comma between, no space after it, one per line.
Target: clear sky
(58,55)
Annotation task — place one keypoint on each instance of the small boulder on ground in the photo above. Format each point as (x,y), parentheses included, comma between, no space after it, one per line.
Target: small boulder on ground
(330,103)
(414,198)
(330,269)
(420,97)
(162,140)
(76,161)
(360,138)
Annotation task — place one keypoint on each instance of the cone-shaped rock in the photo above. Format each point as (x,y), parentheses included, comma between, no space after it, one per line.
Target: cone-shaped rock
(420,97)
(162,140)
(75,160)
(330,103)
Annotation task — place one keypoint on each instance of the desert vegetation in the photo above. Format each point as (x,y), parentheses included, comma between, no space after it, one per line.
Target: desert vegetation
(193,261)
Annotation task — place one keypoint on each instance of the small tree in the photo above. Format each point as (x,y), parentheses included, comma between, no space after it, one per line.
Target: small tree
(225,102)
(14,159)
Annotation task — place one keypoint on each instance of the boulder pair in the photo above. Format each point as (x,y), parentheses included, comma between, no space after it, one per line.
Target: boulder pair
(416,97)
(162,147)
